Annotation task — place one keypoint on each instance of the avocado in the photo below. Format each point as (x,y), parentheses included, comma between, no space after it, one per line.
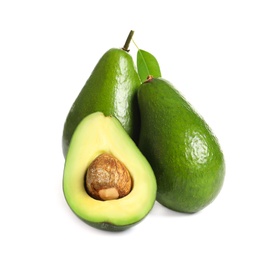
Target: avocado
(184,153)
(111,89)
(107,182)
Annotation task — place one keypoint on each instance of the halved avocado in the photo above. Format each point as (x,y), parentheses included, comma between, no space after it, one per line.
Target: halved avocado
(96,135)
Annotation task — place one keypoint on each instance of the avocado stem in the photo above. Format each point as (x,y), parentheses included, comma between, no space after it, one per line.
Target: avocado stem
(149,78)
(126,45)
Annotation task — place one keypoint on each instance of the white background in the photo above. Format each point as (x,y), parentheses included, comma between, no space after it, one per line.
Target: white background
(48,49)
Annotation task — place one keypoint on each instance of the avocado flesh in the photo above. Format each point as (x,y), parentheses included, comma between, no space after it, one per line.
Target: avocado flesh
(95,135)
(183,152)
(111,89)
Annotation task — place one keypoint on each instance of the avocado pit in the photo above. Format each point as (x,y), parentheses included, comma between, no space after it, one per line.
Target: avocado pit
(107,178)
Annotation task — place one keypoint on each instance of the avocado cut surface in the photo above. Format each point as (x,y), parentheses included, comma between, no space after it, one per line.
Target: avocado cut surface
(96,135)
(185,155)
(111,89)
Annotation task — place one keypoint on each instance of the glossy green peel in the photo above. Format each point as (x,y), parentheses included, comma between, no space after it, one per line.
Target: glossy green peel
(111,89)
(185,155)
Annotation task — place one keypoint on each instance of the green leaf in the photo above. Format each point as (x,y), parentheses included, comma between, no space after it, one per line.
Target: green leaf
(147,65)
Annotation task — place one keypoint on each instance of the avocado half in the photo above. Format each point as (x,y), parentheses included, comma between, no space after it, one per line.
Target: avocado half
(95,135)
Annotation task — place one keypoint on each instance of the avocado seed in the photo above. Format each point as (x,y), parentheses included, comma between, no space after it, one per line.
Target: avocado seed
(107,178)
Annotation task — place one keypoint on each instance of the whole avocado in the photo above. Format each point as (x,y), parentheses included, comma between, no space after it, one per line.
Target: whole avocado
(185,155)
(111,89)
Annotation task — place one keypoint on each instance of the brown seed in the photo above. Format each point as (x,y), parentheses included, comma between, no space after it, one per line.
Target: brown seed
(107,178)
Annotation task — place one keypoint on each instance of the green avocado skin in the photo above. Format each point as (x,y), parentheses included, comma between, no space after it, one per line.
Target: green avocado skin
(111,89)
(109,226)
(185,156)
